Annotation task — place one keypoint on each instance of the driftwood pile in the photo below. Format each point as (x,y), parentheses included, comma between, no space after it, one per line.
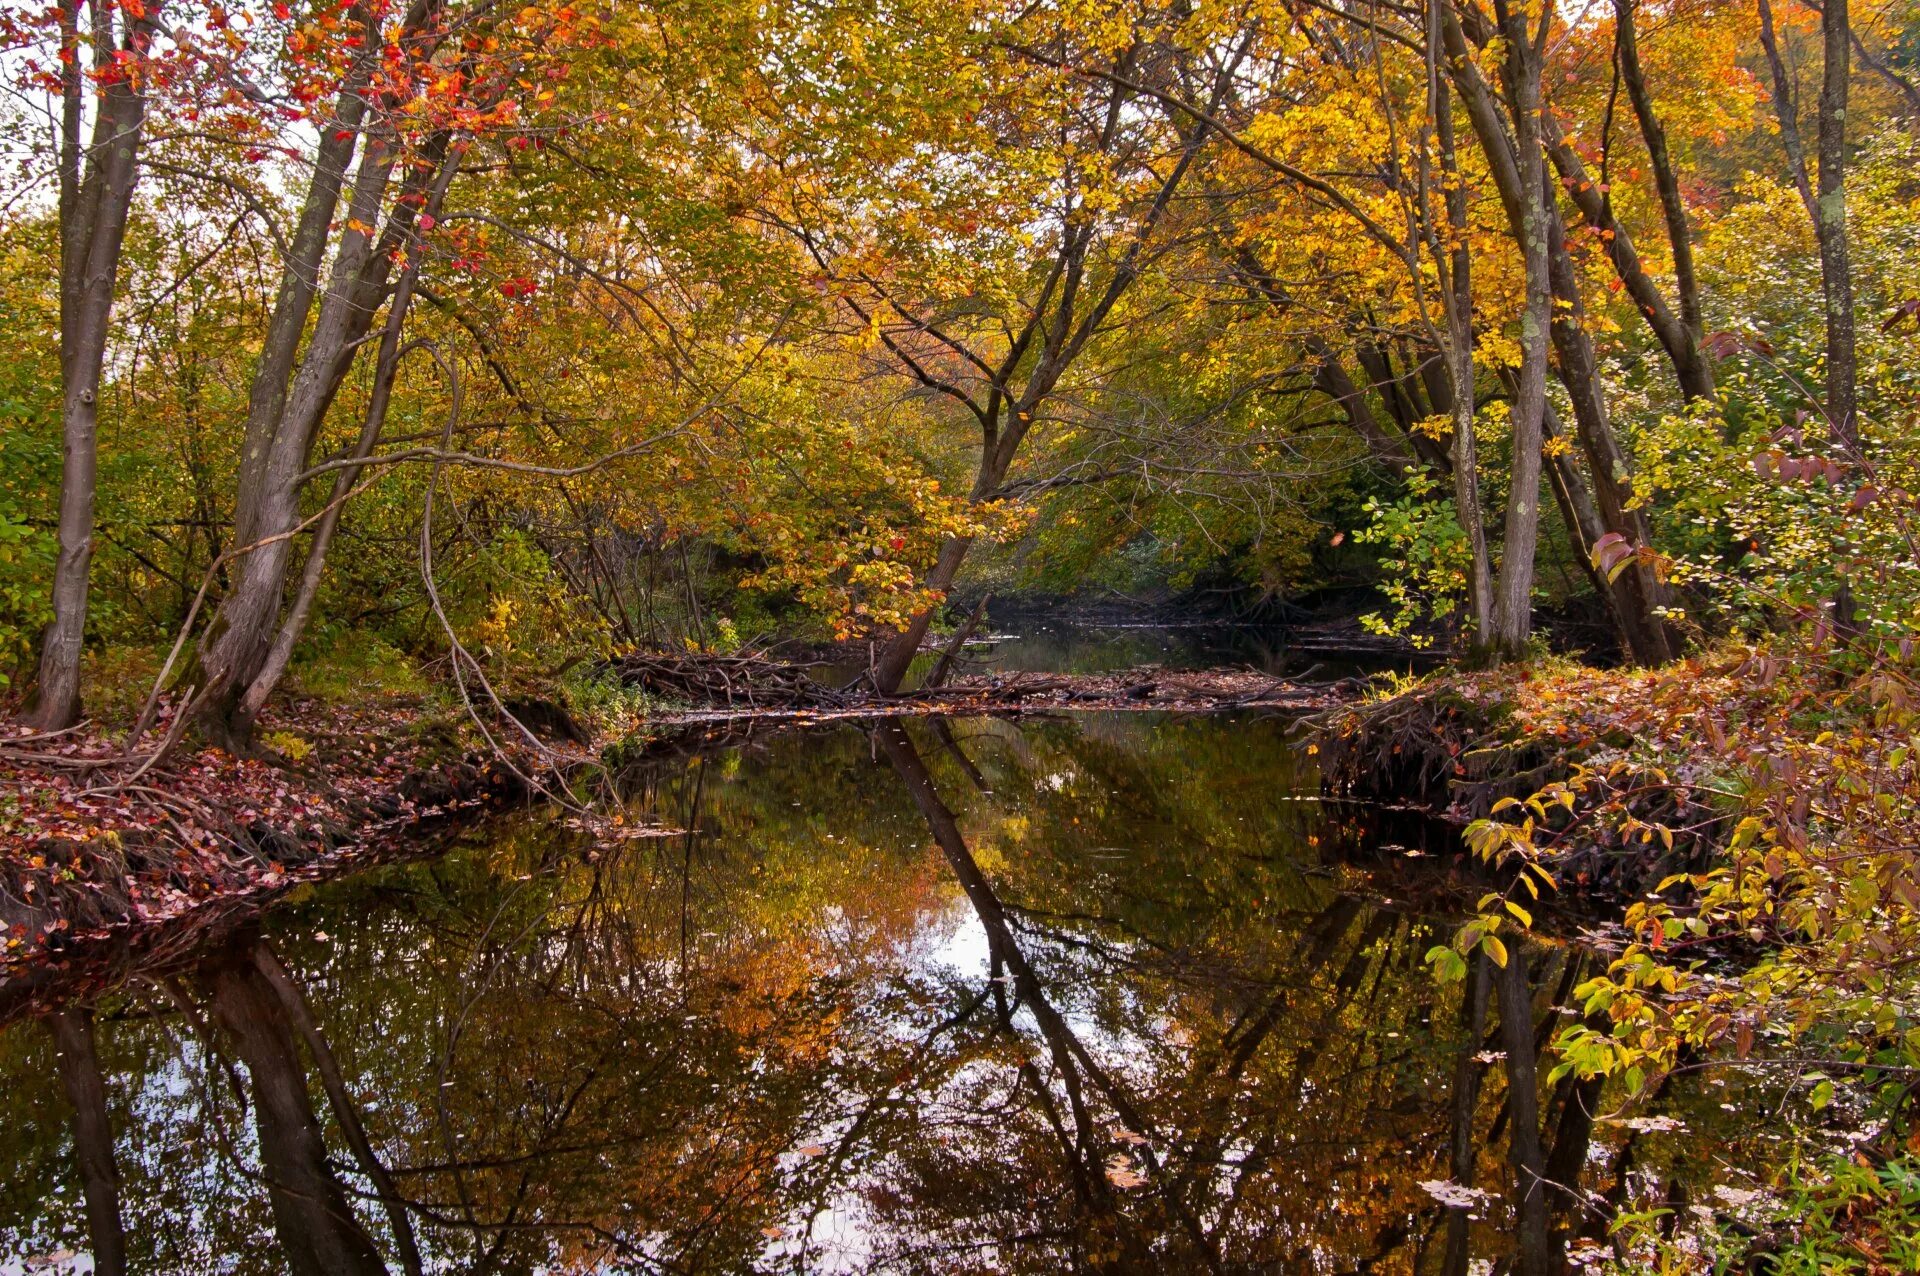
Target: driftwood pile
(1455,757)
(732,682)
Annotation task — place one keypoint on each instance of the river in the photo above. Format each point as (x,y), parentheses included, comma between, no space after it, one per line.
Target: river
(1093,992)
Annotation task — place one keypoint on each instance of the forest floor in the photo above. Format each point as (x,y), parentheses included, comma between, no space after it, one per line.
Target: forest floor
(92,842)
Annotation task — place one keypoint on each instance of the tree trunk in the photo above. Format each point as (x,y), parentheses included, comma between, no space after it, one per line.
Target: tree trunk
(1457,303)
(1637,592)
(294,1002)
(1467,1069)
(79,1068)
(319,1233)
(1828,208)
(1513,592)
(93,225)
(1677,334)
(386,369)
(1582,518)
(1696,379)
(1830,219)
(239,643)
(1533,1237)
(890,672)
(1332,380)
(300,282)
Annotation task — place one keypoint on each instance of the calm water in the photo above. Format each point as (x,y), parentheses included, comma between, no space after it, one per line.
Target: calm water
(1093,994)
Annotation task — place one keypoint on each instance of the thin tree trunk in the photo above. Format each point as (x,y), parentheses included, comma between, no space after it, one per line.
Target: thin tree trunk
(1695,379)
(1637,593)
(79,1068)
(386,369)
(93,226)
(944,667)
(1533,1238)
(1584,524)
(1330,375)
(1332,380)
(294,1002)
(1677,335)
(896,658)
(1461,1155)
(1785,113)
(1457,303)
(1827,208)
(1513,591)
(240,641)
(300,282)
(1836,269)
(1056,333)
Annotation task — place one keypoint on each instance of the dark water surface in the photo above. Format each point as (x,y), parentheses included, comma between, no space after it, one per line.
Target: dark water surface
(1037,643)
(1100,993)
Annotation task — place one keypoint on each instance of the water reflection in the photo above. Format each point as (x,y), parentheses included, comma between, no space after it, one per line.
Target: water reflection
(1089,995)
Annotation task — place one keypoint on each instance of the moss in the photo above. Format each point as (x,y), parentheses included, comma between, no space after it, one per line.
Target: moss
(352,665)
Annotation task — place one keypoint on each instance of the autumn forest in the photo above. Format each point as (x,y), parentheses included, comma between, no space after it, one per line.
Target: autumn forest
(980,635)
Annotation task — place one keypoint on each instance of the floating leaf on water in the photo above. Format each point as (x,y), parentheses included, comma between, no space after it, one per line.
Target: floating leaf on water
(1454,1195)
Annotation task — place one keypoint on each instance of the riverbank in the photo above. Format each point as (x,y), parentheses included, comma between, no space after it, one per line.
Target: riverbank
(1745,821)
(95,841)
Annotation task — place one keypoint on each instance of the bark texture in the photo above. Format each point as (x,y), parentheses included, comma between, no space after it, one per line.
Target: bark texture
(96,194)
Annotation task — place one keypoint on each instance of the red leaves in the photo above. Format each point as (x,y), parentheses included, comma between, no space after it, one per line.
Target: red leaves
(513,289)
(1722,345)
(1614,553)
(1908,309)
(1800,469)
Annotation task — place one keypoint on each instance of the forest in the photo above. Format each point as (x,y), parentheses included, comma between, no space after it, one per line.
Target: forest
(1067,562)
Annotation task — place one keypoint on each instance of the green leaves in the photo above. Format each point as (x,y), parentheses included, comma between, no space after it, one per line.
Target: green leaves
(1448,965)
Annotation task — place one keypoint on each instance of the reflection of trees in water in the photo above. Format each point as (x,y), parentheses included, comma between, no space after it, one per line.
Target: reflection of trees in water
(753,1043)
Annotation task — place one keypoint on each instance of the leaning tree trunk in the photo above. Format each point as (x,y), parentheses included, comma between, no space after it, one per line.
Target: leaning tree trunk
(890,671)
(1637,594)
(1695,371)
(93,226)
(386,369)
(300,277)
(1533,1237)
(239,644)
(1457,302)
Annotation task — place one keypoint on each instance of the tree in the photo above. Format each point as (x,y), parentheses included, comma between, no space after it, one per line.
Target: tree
(1103,164)
(411,94)
(1824,196)
(96,184)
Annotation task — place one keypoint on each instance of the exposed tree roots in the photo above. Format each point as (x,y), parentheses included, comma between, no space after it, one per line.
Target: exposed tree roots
(1454,748)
